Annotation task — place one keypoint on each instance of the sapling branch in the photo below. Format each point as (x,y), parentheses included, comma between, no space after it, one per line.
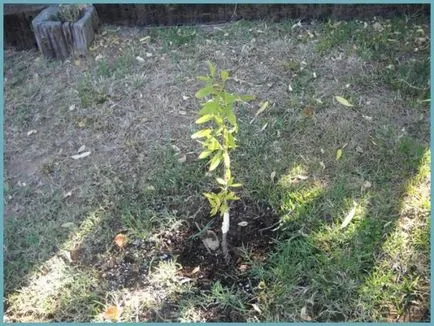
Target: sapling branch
(218,140)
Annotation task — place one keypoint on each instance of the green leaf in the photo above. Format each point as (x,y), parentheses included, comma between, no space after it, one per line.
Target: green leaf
(221,181)
(205,118)
(214,210)
(224,74)
(209,195)
(245,98)
(227,159)
(343,101)
(218,121)
(236,185)
(214,202)
(228,98)
(201,93)
(217,205)
(210,198)
(231,141)
(210,107)
(212,144)
(338,154)
(231,117)
(201,133)
(228,174)
(205,154)
(203,78)
(224,208)
(212,68)
(215,161)
(231,196)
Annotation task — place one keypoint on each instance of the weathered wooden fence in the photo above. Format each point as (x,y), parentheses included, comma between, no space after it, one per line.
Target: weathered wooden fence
(18,18)
(176,14)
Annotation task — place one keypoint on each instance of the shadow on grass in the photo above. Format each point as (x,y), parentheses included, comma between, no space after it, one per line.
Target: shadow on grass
(89,268)
(332,237)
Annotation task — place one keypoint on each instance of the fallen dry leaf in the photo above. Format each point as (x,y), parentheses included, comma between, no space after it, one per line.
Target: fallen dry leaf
(31,132)
(195,270)
(243,268)
(301,177)
(81,149)
(343,101)
(145,39)
(68,194)
(78,156)
(121,240)
(182,159)
(263,107)
(112,313)
(256,308)
(82,123)
(140,59)
(304,315)
(308,111)
(367,185)
(349,216)
(176,148)
(378,27)
(366,117)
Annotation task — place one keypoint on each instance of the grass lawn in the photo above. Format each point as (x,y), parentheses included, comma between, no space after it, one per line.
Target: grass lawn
(336,198)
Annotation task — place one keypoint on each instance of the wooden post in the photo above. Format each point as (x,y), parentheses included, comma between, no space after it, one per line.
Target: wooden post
(58,40)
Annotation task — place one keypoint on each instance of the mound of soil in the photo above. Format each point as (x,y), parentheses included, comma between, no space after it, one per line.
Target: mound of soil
(251,228)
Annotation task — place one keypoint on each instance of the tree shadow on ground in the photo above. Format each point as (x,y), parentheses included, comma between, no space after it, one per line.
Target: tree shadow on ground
(319,270)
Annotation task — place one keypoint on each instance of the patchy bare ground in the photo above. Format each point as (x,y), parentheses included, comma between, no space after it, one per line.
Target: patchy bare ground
(131,105)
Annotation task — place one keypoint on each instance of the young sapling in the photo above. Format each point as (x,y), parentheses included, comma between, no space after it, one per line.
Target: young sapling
(217,140)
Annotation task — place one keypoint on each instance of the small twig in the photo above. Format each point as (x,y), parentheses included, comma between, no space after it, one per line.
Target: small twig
(411,86)
(235,79)
(150,265)
(197,212)
(235,12)
(269,227)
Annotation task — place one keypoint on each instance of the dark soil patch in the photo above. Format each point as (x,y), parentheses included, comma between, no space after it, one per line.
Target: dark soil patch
(130,267)
(255,236)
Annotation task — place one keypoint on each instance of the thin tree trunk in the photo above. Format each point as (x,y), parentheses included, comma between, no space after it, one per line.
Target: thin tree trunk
(225,230)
